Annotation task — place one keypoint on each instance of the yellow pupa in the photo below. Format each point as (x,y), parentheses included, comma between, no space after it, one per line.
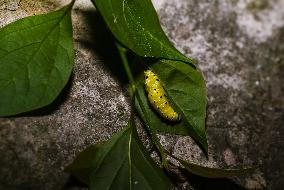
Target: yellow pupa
(157,96)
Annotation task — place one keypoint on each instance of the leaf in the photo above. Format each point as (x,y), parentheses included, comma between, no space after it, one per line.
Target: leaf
(151,118)
(36,59)
(136,25)
(186,91)
(120,163)
(213,172)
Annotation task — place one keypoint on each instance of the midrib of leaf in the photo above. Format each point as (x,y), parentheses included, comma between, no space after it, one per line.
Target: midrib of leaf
(138,24)
(57,24)
(100,163)
(53,63)
(129,160)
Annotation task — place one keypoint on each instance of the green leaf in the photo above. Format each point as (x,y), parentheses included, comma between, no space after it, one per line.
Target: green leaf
(213,172)
(36,59)
(136,25)
(151,118)
(120,163)
(186,91)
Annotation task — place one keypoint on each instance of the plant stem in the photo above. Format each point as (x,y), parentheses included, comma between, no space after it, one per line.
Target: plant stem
(72,3)
(133,90)
(154,137)
(122,53)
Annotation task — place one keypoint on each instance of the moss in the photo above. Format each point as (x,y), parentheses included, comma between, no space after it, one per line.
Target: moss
(257,5)
(120,111)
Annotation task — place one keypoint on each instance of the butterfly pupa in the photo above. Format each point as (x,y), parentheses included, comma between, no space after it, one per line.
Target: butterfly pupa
(157,97)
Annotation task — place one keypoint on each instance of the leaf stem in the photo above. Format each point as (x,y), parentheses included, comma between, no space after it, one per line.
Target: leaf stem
(154,137)
(72,3)
(122,53)
(133,90)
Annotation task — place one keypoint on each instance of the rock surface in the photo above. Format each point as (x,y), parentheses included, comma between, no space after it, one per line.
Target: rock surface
(240,48)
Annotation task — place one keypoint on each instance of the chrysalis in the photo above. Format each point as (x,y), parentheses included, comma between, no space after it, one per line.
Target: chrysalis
(157,97)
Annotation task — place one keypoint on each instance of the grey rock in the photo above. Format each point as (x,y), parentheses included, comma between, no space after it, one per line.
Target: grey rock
(11,5)
(239,47)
